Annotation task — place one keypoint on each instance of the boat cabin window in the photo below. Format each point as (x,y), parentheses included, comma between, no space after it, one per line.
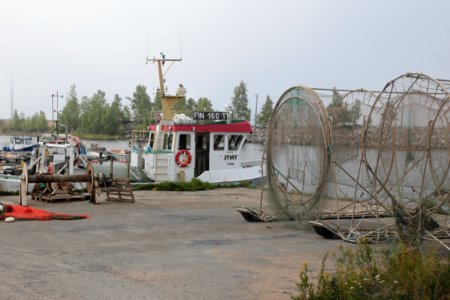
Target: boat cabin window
(234,141)
(168,139)
(184,142)
(202,143)
(151,140)
(21,140)
(219,142)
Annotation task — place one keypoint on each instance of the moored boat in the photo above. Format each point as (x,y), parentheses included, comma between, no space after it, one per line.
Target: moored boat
(206,146)
(20,144)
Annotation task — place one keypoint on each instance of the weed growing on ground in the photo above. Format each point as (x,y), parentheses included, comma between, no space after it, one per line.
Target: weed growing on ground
(194,185)
(364,273)
(5,193)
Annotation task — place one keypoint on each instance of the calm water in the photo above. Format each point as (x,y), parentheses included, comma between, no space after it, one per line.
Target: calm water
(250,151)
(302,165)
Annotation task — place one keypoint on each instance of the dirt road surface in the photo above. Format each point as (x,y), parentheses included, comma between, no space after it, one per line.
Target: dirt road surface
(166,245)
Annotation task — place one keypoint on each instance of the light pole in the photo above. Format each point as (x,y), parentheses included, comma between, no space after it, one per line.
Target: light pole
(57,96)
(256,110)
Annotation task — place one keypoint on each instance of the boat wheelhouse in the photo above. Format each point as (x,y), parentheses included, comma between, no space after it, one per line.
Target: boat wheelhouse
(179,148)
(210,152)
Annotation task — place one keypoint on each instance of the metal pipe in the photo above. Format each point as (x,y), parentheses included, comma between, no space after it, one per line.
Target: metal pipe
(374,92)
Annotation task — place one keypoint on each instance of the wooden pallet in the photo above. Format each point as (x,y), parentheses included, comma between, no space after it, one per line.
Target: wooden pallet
(60,197)
(120,190)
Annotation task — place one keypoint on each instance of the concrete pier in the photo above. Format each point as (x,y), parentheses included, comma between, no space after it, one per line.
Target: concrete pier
(166,245)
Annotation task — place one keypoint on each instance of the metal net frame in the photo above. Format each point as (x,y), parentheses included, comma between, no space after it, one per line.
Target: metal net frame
(375,166)
(409,129)
(353,204)
(298,153)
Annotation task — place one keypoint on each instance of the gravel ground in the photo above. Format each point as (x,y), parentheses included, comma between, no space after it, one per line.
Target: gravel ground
(166,245)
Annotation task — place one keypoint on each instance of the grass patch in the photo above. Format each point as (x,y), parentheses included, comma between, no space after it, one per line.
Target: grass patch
(190,186)
(5,193)
(363,273)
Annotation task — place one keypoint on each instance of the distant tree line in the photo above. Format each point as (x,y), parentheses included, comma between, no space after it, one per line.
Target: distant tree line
(37,123)
(96,116)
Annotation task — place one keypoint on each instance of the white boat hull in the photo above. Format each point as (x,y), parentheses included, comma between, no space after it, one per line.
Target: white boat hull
(231,175)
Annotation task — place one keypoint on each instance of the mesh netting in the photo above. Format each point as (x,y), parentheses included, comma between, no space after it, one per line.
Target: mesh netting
(350,184)
(347,179)
(297,147)
(409,132)
(376,163)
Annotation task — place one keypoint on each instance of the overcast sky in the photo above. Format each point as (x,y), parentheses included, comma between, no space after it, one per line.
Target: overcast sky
(47,46)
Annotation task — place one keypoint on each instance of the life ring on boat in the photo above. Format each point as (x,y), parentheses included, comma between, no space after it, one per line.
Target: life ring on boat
(183,158)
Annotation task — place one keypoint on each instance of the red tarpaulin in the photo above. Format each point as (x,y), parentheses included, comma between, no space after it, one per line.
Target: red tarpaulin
(30,213)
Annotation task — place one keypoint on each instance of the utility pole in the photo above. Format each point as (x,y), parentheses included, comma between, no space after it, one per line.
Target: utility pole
(12,98)
(256,109)
(57,96)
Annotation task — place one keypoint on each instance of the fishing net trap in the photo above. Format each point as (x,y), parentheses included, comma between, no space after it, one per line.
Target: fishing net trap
(408,135)
(371,165)
(298,153)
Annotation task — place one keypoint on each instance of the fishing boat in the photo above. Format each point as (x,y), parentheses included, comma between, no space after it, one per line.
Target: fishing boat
(52,154)
(206,145)
(20,144)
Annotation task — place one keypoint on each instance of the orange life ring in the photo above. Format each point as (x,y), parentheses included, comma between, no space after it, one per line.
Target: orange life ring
(185,159)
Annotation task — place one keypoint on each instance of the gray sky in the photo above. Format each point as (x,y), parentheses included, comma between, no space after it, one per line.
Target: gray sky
(46,46)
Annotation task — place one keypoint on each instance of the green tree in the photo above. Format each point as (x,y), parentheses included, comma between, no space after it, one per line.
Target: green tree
(32,123)
(126,113)
(337,110)
(337,100)
(36,123)
(180,106)
(114,117)
(21,121)
(204,104)
(266,112)
(41,122)
(355,112)
(191,105)
(240,102)
(157,104)
(141,105)
(27,124)
(70,115)
(15,122)
(93,113)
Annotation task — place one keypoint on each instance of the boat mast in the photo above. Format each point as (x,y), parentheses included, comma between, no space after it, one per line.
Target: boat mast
(168,101)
